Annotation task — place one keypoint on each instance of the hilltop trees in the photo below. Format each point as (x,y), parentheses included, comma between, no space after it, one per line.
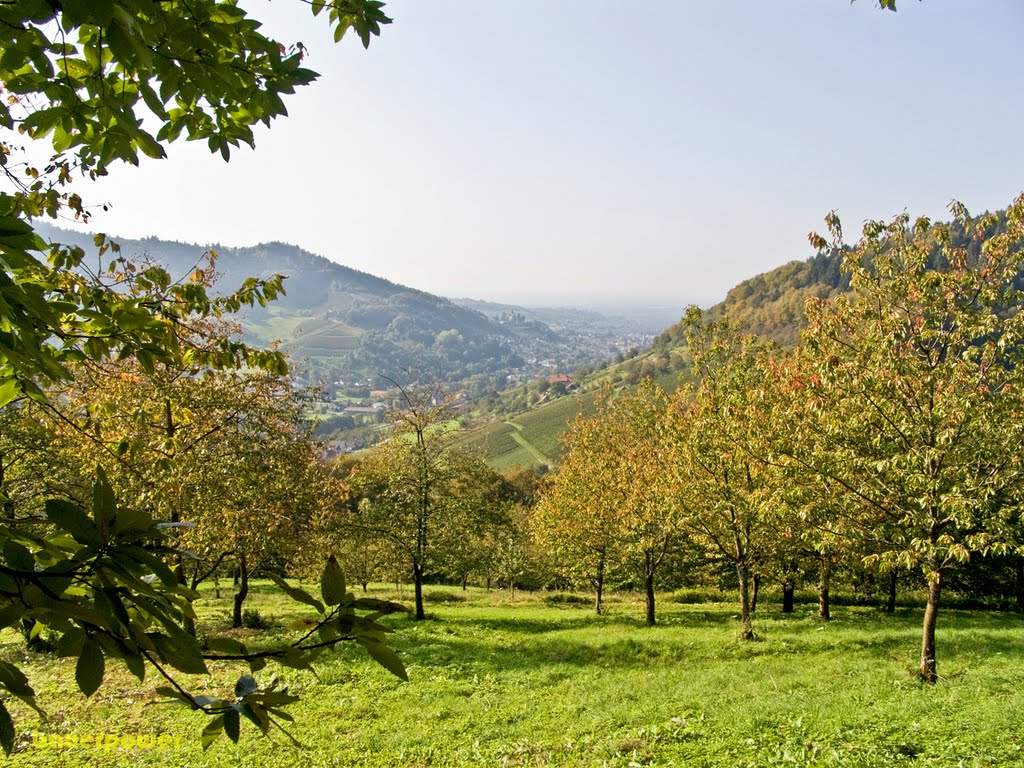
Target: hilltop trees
(915,384)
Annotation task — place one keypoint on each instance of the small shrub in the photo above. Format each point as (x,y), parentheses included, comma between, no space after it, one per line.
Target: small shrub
(253,619)
(443,597)
(566,598)
(699,596)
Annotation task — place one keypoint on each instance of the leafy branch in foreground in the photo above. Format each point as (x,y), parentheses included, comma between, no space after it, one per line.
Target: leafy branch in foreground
(98,579)
(337,622)
(92,79)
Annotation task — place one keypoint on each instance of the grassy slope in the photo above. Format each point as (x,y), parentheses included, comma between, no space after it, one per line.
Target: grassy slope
(530,438)
(497,681)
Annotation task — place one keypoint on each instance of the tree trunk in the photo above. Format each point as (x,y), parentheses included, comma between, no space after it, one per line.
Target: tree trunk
(788,595)
(189,625)
(931,613)
(417,575)
(8,505)
(890,602)
(365,585)
(598,600)
(756,592)
(746,624)
(1020,583)
(243,591)
(465,578)
(187,622)
(824,607)
(649,589)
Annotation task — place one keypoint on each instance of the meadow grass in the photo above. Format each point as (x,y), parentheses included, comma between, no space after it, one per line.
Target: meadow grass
(497,680)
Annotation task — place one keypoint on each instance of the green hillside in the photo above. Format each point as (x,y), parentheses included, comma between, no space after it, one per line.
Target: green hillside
(770,305)
(531,439)
(344,323)
(323,337)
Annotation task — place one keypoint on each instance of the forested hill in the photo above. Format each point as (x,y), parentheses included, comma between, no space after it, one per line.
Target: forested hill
(313,282)
(346,323)
(771,305)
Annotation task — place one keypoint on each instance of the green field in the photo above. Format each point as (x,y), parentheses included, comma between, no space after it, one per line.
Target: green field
(529,439)
(274,325)
(324,338)
(495,444)
(504,681)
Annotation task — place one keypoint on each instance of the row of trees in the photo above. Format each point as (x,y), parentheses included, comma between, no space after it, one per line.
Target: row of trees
(891,438)
(421,508)
(115,380)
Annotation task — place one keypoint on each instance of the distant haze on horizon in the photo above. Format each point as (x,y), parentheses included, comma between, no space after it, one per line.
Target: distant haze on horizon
(566,154)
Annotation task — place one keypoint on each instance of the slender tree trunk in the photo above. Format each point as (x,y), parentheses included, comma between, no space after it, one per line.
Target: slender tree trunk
(788,595)
(465,578)
(417,575)
(755,593)
(746,623)
(931,613)
(598,600)
(365,585)
(890,600)
(27,625)
(824,607)
(649,592)
(1020,583)
(243,590)
(188,623)
(8,505)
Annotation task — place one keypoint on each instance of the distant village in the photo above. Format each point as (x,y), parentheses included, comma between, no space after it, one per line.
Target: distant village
(556,363)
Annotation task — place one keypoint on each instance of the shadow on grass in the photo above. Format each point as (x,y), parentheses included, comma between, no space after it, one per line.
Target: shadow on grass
(512,644)
(541,654)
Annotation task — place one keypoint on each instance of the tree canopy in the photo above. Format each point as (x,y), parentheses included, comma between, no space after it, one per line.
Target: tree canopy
(102,81)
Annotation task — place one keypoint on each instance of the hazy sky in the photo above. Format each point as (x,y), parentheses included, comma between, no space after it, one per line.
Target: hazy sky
(574,150)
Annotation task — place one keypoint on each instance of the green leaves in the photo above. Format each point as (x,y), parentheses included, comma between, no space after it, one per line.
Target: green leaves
(212,731)
(90,667)
(246,685)
(180,651)
(128,50)
(73,519)
(332,582)
(295,593)
(232,724)
(386,658)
